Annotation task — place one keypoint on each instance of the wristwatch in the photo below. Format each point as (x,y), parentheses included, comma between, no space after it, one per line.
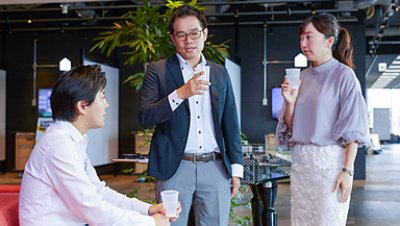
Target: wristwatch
(350,172)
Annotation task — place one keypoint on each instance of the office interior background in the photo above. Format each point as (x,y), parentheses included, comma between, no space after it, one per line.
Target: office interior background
(263,40)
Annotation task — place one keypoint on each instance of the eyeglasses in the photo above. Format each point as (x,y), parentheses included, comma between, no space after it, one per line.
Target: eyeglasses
(194,35)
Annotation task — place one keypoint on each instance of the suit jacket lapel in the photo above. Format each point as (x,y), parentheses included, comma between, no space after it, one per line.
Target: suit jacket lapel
(176,73)
(214,97)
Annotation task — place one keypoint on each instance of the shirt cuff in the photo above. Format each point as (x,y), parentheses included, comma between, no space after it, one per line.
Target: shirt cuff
(174,100)
(142,207)
(237,170)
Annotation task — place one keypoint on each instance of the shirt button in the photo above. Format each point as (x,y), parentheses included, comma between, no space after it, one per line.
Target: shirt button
(173,101)
(198,117)
(197,102)
(199,131)
(200,147)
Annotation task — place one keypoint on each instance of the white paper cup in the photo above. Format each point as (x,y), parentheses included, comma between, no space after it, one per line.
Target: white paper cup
(170,202)
(293,75)
(206,75)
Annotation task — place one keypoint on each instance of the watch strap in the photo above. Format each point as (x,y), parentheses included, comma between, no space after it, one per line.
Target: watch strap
(350,172)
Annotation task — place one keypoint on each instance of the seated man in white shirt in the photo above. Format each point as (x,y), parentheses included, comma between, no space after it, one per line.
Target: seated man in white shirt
(60,186)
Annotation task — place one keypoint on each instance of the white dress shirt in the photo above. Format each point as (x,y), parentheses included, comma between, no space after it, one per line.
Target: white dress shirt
(201,137)
(61,187)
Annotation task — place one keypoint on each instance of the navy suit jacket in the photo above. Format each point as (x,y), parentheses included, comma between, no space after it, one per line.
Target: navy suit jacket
(172,127)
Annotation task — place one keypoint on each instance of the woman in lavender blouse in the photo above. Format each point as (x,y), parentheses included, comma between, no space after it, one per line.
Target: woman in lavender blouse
(325,120)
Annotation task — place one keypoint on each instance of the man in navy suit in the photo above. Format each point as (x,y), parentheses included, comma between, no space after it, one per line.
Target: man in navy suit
(196,146)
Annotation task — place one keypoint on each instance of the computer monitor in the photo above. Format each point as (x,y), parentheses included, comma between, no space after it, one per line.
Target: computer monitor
(277,101)
(44,107)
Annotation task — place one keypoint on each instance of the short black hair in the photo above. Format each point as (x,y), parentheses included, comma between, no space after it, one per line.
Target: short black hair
(82,83)
(184,11)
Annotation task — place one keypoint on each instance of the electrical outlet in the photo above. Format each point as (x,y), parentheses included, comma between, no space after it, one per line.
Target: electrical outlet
(265,101)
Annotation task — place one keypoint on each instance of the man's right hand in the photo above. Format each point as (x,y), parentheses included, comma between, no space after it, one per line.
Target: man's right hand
(161,220)
(193,87)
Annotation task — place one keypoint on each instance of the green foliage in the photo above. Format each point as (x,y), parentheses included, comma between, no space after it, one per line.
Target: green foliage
(143,177)
(238,201)
(134,194)
(147,133)
(243,137)
(144,33)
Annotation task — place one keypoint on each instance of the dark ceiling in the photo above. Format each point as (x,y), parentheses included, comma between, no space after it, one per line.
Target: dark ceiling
(381,18)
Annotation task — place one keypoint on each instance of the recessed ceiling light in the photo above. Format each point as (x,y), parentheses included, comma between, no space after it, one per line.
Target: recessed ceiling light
(387,76)
(392,70)
(391,73)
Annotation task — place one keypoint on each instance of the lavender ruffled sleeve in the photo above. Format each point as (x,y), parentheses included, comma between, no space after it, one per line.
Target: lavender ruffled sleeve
(283,134)
(352,123)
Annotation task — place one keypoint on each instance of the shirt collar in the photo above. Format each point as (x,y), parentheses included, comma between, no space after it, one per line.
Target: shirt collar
(184,64)
(325,66)
(72,131)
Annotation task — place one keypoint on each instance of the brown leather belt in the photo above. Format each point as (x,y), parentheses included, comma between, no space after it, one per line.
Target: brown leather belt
(203,157)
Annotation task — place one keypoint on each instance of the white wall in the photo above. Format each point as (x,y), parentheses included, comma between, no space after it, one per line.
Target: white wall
(234,71)
(103,142)
(385,98)
(2,115)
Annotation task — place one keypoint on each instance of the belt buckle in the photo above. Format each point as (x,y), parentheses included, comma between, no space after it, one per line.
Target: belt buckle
(195,158)
(201,157)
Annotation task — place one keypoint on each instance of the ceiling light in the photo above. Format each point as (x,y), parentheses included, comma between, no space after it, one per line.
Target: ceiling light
(387,77)
(65,64)
(391,73)
(393,70)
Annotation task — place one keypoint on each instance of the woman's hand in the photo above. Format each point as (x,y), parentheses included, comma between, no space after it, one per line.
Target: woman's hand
(289,94)
(344,182)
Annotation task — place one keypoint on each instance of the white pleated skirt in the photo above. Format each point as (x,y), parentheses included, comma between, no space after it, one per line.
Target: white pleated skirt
(313,176)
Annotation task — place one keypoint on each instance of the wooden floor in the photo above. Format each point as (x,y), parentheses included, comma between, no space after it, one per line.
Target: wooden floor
(375,201)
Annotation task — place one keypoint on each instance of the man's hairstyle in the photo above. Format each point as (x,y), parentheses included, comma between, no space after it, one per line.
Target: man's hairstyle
(79,84)
(184,11)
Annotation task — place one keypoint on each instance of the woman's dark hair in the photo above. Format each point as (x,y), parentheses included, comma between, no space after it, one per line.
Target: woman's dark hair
(184,11)
(79,84)
(328,25)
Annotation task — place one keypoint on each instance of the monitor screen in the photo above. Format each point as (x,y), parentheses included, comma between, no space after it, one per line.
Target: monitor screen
(44,107)
(277,101)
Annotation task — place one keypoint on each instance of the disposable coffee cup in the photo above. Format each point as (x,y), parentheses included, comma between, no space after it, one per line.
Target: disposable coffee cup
(170,202)
(293,75)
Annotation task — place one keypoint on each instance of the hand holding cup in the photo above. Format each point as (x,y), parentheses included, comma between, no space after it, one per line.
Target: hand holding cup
(170,202)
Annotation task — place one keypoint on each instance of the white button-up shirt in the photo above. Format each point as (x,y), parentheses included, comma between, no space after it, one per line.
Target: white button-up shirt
(201,137)
(61,187)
